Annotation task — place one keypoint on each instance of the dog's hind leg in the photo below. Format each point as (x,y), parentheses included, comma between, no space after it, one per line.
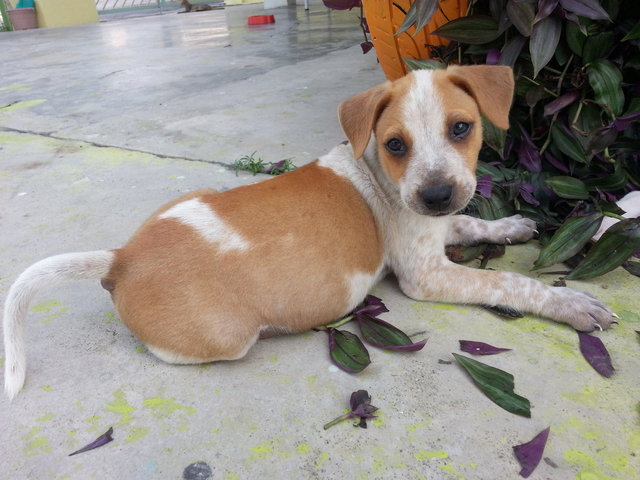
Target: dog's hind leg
(466,230)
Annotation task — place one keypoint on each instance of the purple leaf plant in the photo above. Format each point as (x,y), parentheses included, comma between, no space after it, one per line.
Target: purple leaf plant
(360,403)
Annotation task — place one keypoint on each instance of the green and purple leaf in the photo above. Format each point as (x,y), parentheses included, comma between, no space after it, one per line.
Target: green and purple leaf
(521,15)
(545,36)
(568,240)
(347,351)
(420,14)
(617,244)
(606,80)
(568,187)
(474,30)
(586,8)
(561,102)
(384,335)
(504,311)
(545,8)
(596,354)
(480,348)
(103,439)
(496,384)
(529,454)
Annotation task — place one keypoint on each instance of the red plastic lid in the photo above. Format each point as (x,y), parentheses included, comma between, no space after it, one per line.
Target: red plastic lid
(261,19)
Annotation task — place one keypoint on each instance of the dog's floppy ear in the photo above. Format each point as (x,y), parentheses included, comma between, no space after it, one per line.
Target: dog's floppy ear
(490,86)
(358,116)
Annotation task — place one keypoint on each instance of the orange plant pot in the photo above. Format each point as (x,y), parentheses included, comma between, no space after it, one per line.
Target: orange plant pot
(384,19)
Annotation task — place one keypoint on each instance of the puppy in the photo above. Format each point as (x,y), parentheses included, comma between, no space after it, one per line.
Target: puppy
(196,282)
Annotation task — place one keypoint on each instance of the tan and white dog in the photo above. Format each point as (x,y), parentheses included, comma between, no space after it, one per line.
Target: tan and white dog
(210,272)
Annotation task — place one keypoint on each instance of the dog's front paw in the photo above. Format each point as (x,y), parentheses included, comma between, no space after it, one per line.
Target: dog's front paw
(580,310)
(514,229)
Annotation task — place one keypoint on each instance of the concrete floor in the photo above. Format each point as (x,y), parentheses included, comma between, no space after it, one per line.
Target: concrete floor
(101,124)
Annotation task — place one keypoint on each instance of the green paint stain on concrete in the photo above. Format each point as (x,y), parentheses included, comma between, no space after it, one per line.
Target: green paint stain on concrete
(451,471)
(141,349)
(302,448)
(121,407)
(448,307)
(52,308)
(23,104)
(378,421)
(589,467)
(260,452)
(587,396)
(163,407)
(34,444)
(629,316)
(16,87)
(46,388)
(230,476)
(110,317)
(322,459)
(136,434)
(46,417)
(424,455)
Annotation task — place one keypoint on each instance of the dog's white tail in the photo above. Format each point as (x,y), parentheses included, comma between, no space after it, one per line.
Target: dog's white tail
(69,266)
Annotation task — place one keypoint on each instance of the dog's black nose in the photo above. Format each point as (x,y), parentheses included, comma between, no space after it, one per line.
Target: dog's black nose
(437,197)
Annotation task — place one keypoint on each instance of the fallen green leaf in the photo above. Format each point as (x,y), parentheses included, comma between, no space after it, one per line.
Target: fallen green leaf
(496,384)
(347,351)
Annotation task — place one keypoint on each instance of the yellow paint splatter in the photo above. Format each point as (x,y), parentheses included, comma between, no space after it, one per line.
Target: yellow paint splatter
(16,87)
(46,388)
(302,448)
(52,308)
(260,452)
(378,421)
(46,417)
(322,459)
(34,444)
(136,434)
(230,476)
(23,104)
(121,407)
(141,349)
(110,317)
(163,407)
(424,455)
(590,470)
(450,470)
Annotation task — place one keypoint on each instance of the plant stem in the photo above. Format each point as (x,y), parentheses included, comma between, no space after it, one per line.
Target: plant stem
(613,215)
(553,94)
(341,418)
(338,323)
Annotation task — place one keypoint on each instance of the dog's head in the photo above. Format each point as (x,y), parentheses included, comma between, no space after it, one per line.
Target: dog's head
(428,130)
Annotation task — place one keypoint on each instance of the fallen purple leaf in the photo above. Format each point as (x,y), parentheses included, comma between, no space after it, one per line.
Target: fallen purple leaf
(98,442)
(596,354)
(480,348)
(529,454)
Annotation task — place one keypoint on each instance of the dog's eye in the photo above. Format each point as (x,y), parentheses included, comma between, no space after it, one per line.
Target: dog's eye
(459,130)
(395,146)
